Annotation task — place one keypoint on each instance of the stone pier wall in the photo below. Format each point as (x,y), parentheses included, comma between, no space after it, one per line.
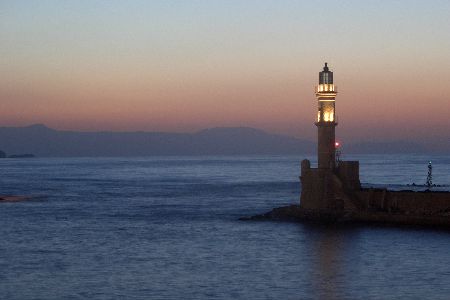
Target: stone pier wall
(340,190)
(405,202)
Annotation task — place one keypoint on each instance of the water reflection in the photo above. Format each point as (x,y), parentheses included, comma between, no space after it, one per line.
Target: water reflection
(329,259)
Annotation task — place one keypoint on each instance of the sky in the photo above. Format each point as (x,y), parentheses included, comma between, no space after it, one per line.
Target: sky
(187,65)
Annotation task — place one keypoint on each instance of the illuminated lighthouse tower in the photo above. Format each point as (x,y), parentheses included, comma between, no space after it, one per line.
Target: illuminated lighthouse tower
(326,187)
(326,119)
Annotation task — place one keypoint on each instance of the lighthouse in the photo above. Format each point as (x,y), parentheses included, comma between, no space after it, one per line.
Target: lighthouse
(326,122)
(325,188)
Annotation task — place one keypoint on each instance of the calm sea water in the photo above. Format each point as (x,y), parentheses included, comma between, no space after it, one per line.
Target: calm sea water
(167,228)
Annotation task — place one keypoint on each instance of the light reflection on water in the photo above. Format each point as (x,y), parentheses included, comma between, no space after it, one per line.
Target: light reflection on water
(167,228)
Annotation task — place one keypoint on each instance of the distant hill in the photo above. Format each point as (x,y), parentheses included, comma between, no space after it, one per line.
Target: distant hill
(385,147)
(46,142)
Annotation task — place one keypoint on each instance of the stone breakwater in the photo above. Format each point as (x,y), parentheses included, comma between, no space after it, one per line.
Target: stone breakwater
(295,213)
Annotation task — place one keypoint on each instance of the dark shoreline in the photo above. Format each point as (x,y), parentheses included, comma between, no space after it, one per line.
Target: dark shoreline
(294,213)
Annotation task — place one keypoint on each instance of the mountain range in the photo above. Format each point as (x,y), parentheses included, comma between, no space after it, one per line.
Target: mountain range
(42,141)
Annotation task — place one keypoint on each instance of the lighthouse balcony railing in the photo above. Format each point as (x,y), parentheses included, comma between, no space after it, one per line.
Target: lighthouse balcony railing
(326,87)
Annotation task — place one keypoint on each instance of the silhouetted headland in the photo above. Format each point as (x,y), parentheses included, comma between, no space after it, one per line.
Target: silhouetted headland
(47,142)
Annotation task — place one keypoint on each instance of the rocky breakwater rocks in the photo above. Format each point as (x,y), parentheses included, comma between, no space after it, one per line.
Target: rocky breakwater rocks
(6,198)
(294,213)
(297,214)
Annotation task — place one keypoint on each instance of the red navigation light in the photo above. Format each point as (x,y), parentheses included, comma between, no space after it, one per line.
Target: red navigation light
(336,144)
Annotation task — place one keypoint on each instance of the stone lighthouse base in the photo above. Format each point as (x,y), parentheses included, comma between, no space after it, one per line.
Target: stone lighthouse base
(335,196)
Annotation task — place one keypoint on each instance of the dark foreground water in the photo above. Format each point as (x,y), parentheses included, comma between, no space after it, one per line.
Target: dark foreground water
(167,228)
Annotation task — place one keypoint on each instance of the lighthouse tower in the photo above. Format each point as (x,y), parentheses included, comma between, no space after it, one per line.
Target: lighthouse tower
(326,119)
(326,188)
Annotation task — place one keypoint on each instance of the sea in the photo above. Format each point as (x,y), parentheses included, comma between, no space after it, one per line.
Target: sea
(168,228)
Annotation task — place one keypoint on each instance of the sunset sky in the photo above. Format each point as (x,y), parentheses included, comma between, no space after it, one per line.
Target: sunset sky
(188,65)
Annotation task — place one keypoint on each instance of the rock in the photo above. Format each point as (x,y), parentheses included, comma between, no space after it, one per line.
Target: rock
(7,198)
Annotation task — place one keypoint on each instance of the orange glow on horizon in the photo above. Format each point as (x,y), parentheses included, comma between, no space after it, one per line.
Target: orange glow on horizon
(142,65)
(283,105)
